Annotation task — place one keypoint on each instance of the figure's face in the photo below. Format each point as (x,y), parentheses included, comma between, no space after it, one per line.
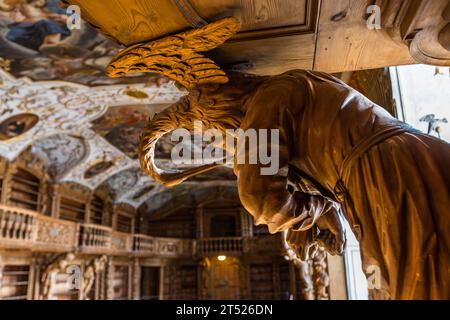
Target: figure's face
(17,15)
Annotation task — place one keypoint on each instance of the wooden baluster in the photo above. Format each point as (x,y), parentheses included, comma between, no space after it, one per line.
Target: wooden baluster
(2,223)
(9,224)
(29,227)
(108,239)
(85,236)
(23,227)
(98,238)
(20,217)
(18,221)
(14,222)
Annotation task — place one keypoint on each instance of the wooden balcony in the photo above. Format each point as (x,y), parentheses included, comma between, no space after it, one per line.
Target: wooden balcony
(55,235)
(122,243)
(17,226)
(95,238)
(25,229)
(210,246)
(143,245)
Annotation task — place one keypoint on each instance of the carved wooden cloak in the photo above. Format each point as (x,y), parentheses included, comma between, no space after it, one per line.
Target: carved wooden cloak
(393,181)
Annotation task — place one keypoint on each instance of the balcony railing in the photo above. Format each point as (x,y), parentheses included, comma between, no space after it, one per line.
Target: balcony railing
(55,235)
(122,242)
(25,229)
(17,226)
(143,245)
(219,245)
(94,238)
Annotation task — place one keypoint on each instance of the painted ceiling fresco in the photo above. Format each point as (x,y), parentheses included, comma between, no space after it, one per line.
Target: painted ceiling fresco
(123,125)
(36,41)
(57,104)
(89,135)
(62,151)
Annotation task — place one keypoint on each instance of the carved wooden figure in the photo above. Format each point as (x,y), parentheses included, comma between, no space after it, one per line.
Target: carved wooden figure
(97,266)
(391,180)
(51,271)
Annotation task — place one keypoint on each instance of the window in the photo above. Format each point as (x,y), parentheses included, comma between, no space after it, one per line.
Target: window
(422,95)
(25,190)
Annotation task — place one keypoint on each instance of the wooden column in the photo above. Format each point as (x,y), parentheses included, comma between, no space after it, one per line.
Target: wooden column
(161,282)
(56,200)
(136,276)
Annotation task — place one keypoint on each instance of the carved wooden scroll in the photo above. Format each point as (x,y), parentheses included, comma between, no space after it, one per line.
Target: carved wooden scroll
(423,25)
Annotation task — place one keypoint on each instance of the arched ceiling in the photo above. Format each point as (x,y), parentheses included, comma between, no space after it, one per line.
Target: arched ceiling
(57,102)
(71,131)
(62,152)
(188,195)
(89,135)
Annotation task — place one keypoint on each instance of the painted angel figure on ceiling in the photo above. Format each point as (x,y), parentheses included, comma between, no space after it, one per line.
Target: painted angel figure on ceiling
(340,150)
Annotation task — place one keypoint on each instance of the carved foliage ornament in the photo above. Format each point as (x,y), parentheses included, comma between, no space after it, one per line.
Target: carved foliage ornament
(178,57)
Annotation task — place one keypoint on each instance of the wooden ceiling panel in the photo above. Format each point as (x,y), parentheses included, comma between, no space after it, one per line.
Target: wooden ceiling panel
(133,21)
(345,43)
(259,15)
